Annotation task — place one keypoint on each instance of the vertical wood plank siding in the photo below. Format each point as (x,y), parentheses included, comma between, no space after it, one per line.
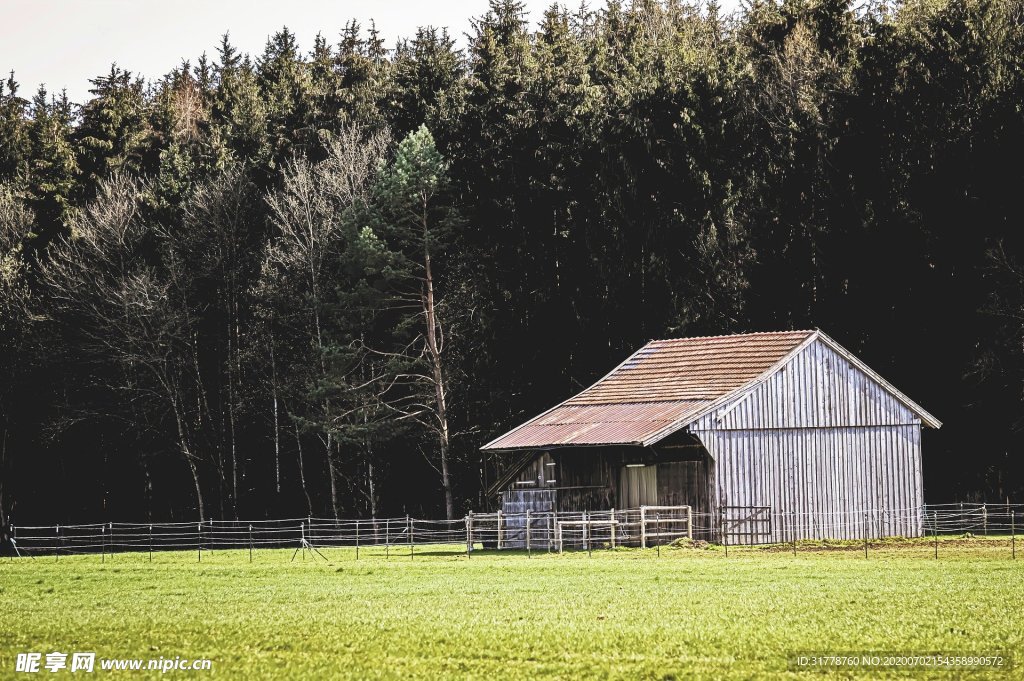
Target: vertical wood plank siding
(819,443)
(818,481)
(684,483)
(816,388)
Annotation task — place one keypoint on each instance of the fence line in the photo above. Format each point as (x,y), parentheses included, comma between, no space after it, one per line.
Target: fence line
(530,531)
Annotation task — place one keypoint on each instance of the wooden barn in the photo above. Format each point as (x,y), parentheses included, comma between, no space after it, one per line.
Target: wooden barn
(767,436)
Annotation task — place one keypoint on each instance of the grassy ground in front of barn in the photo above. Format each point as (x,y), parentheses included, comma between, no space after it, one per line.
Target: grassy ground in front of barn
(688,613)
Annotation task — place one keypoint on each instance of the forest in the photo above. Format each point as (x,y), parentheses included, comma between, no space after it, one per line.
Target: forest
(315,280)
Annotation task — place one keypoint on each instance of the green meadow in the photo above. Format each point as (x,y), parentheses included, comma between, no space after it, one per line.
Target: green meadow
(624,614)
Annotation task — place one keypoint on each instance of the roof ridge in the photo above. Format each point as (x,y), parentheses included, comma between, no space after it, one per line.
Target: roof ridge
(734,335)
(569,402)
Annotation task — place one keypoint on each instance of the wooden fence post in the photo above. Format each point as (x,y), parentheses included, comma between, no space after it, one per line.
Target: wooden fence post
(412,547)
(689,522)
(150,543)
(643,527)
(657,522)
(199,528)
(529,552)
(1013,533)
(387,538)
(469,535)
(721,529)
(357,539)
(586,533)
(250,543)
(499,529)
(612,526)
(984,519)
(935,532)
(865,534)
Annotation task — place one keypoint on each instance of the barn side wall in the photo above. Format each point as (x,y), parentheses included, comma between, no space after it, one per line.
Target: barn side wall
(820,443)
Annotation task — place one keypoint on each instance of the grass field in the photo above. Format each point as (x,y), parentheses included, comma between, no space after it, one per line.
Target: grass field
(687,613)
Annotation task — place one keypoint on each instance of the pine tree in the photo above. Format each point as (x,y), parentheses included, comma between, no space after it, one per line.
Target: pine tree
(14,141)
(282,80)
(365,78)
(428,74)
(113,130)
(417,218)
(54,174)
(238,113)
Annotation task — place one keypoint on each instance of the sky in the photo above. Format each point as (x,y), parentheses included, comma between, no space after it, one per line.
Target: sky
(64,43)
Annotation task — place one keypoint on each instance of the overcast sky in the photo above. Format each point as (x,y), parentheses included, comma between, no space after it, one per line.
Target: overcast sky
(64,43)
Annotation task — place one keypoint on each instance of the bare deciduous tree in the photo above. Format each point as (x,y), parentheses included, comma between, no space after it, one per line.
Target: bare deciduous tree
(15,223)
(310,212)
(214,253)
(110,286)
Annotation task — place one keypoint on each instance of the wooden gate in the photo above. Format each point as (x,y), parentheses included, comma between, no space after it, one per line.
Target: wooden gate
(746,524)
(514,505)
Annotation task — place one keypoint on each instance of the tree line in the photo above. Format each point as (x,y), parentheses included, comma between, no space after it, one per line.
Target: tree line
(315,281)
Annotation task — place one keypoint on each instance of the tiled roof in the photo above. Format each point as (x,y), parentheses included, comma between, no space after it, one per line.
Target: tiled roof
(663,383)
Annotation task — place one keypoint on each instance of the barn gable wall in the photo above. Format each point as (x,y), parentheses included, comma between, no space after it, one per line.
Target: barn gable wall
(823,482)
(825,447)
(817,388)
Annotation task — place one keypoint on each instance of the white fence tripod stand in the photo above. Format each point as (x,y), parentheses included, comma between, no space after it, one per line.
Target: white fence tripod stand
(304,546)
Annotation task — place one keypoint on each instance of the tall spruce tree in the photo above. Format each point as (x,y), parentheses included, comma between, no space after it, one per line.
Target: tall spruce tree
(54,175)
(14,142)
(113,129)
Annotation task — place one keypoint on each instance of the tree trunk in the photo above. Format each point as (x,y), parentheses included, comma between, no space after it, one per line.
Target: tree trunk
(3,474)
(277,424)
(199,488)
(373,490)
(231,421)
(328,447)
(438,376)
(186,453)
(302,471)
(202,406)
(327,405)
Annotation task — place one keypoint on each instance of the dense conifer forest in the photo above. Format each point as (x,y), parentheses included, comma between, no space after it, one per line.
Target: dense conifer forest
(315,280)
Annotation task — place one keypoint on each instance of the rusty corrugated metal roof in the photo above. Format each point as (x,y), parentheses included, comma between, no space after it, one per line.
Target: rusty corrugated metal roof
(595,424)
(663,383)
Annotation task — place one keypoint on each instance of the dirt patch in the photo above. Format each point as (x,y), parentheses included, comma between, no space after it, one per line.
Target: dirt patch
(687,543)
